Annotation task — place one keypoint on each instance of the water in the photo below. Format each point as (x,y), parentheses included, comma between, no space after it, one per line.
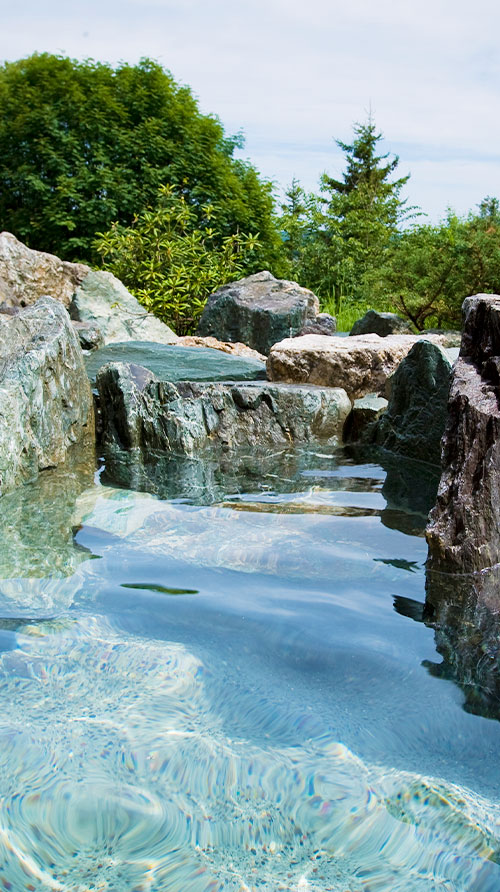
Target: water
(231,691)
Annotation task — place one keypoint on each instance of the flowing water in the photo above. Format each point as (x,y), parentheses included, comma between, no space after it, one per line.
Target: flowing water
(231,691)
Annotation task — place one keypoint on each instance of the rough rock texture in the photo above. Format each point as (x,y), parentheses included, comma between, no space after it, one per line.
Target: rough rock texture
(259,311)
(102,300)
(382,324)
(173,363)
(323,324)
(45,398)
(464,527)
(359,365)
(416,416)
(89,335)
(141,413)
(450,339)
(365,412)
(235,349)
(27,275)
(96,298)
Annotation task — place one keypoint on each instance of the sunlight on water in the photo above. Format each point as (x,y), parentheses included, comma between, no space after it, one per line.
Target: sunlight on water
(214,698)
(117,774)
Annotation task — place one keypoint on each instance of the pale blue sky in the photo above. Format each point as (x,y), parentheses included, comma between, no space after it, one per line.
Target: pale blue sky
(295,75)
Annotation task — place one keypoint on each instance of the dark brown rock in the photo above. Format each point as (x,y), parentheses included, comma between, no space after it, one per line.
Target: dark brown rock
(464,528)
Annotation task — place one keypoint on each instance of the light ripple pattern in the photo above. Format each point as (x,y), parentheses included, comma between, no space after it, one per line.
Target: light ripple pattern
(117,774)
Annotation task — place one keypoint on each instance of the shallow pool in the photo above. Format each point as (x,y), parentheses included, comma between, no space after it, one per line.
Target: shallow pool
(232,692)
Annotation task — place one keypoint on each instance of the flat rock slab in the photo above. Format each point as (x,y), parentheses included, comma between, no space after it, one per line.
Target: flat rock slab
(359,365)
(144,414)
(45,398)
(173,363)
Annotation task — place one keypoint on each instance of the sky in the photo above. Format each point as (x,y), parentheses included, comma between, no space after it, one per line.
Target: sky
(295,76)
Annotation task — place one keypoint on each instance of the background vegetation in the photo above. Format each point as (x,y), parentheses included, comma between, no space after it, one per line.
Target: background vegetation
(118,167)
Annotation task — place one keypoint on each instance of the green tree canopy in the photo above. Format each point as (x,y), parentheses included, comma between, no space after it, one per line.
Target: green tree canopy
(83,144)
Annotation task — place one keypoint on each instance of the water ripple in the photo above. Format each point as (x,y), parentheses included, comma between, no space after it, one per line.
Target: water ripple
(117,773)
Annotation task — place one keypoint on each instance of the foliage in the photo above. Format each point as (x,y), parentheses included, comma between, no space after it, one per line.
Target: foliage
(83,144)
(433,268)
(171,264)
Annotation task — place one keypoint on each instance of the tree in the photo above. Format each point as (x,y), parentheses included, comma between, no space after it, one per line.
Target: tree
(341,241)
(83,144)
(170,263)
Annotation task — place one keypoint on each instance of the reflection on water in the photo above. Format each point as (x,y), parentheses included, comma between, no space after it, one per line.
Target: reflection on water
(224,698)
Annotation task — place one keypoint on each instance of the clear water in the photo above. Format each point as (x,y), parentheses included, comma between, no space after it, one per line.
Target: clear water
(202,696)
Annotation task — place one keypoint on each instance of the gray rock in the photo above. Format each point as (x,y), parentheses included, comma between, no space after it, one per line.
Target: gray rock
(450,339)
(259,311)
(95,298)
(89,335)
(323,324)
(365,412)
(416,415)
(27,275)
(359,365)
(464,528)
(382,324)
(44,392)
(144,414)
(173,363)
(103,301)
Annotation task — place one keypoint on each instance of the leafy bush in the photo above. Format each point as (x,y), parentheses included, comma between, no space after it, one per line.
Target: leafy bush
(171,262)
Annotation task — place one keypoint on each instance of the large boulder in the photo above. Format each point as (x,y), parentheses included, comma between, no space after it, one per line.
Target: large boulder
(173,363)
(382,324)
(464,528)
(95,298)
(359,365)
(27,275)
(103,301)
(259,311)
(45,397)
(416,415)
(143,414)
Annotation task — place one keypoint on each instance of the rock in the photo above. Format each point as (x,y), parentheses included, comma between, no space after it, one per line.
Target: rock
(89,335)
(323,324)
(235,349)
(173,363)
(92,297)
(44,392)
(464,528)
(103,301)
(365,412)
(450,339)
(382,324)
(416,415)
(143,414)
(259,311)
(27,275)
(359,365)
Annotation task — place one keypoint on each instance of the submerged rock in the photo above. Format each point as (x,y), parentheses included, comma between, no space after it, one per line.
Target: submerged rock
(44,392)
(382,324)
(359,365)
(95,298)
(174,363)
(142,413)
(259,311)
(416,415)
(464,528)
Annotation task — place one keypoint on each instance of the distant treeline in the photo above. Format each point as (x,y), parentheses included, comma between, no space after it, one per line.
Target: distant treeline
(118,167)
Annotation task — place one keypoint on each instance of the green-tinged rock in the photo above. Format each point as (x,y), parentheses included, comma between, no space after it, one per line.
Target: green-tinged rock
(140,413)
(103,300)
(416,415)
(382,324)
(261,310)
(171,363)
(45,398)
(365,412)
